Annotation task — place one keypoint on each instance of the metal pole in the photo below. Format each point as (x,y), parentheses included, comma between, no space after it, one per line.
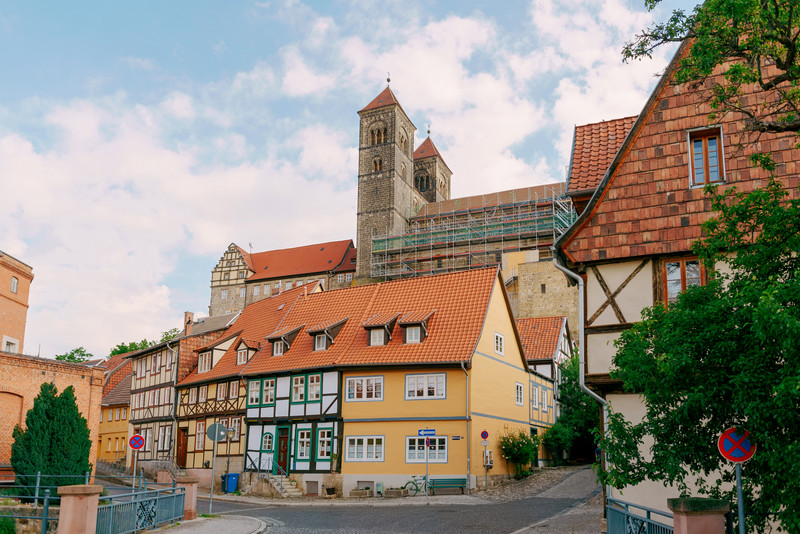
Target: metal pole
(228,463)
(135,457)
(213,460)
(427,480)
(739,497)
(38,477)
(45,509)
(485,471)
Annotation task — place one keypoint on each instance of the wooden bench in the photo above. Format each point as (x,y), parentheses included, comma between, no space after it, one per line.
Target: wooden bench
(438,483)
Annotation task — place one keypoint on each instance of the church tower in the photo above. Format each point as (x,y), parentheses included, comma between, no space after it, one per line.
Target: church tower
(386,193)
(431,173)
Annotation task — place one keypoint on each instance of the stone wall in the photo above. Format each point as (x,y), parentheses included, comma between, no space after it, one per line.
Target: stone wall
(13,304)
(543,292)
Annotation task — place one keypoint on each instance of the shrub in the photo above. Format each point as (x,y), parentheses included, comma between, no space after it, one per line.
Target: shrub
(519,448)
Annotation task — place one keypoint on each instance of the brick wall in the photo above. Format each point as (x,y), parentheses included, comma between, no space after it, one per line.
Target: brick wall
(544,292)
(13,304)
(20,380)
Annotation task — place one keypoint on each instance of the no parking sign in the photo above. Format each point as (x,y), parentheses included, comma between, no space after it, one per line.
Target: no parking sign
(136,442)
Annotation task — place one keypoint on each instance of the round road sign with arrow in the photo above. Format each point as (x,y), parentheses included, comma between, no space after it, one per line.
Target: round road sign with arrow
(734,447)
(217,432)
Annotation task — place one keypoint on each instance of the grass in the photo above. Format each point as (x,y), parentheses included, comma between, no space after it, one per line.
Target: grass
(209,515)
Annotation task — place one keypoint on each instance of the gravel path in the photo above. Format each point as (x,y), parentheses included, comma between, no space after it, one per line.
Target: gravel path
(545,482)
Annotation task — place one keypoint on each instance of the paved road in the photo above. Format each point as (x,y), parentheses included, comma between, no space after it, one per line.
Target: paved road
(469,515)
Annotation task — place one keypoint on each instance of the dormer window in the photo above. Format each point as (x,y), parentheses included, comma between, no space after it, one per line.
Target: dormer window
(380,327)
(413,334)
(415,326)
(278,348)
(282,339)
(377,337)
(325,333)
(320,342)
(204,362)
(241,356)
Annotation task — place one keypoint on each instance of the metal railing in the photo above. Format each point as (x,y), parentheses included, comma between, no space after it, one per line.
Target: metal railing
(35,515)
(138,510)
(622,520)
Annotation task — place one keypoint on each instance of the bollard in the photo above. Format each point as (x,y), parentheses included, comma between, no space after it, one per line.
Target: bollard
(78,513)
(695,515)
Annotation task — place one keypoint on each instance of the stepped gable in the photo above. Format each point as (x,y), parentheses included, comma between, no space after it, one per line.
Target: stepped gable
(541,336)
(297,261)
(501,198)
(594,147)
(253,325)
(453,304)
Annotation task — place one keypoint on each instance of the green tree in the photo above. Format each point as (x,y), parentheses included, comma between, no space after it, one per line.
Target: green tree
(169,335)
(519,448)
(724,355)
(757,43)
(573,432)
(55,440)
(75,355)
(122,348)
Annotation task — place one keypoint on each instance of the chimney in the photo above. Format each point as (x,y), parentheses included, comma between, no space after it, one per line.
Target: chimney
(188,319)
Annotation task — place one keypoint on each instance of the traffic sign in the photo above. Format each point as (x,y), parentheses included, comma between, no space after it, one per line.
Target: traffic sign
(735,447)
(484,442)
(427,442)
(484,435)
(136,442)
(426,432)
(217,432)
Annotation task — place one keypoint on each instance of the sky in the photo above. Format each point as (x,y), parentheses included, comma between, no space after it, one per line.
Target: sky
(139,139)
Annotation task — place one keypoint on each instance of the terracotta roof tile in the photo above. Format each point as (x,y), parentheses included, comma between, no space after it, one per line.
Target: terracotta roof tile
(414,317)
(594,147)
(381,319)
(523,194)
(540,336)
(298,261)
(325,325)
(386,98)
(426,150)
(120,393)
(349,263)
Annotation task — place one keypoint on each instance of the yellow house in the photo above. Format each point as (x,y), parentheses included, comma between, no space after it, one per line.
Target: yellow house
(113,441)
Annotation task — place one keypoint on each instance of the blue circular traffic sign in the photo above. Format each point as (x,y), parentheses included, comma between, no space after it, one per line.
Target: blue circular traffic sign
(136,442)
(484,435)
(735,447)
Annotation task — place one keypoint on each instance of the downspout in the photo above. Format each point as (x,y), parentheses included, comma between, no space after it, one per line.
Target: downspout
(174,402)
(469,421)
(582,345)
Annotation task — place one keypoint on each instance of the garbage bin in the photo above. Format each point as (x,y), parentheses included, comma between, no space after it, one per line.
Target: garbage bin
(230,482)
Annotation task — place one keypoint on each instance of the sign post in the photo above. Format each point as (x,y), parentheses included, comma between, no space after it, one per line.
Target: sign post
(136,442)
(485,443)
(215,433)
(737,448)
(427,433)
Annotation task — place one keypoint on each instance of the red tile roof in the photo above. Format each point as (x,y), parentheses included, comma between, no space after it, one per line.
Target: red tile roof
(593,149)
(426,150)
(256,321)
(523,194)
(299,261)
(540,336)
(117,368)
(460,300)
(349,263)
(386,98)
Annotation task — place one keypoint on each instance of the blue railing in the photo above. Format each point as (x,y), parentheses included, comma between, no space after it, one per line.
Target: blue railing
(622,520)
(131,512)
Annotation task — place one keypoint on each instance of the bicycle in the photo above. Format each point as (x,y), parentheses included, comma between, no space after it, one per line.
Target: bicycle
(416,484)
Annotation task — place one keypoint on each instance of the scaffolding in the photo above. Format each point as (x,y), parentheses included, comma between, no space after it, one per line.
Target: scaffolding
(474,232)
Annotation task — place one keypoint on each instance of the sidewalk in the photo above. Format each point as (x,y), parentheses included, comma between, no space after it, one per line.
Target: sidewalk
(228,524)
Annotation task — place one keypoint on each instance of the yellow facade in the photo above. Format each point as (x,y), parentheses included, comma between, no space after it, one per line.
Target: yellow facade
(113,441)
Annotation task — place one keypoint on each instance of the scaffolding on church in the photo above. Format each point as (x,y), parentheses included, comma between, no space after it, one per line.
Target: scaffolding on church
(474,232)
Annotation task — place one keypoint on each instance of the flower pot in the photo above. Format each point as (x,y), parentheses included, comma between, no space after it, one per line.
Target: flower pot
(395,492)
(361,493)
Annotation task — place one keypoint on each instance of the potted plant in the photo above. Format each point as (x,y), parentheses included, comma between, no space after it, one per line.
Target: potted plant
(396,492)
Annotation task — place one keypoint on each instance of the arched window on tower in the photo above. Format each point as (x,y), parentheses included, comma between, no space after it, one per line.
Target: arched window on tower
(403,142)
(377,135)
(422,182)
(403,171)
(377,165)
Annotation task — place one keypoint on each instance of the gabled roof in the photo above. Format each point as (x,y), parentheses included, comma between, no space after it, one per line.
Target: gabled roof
(386,98)
(501,198)
(426,150)
(594,146)
(121,393)
(349,262)
(299,261)
(460,299)
(541,336)
(254,324)
(117,367)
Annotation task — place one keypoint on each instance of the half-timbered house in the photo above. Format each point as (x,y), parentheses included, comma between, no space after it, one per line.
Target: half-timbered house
(156,371)
(631,245)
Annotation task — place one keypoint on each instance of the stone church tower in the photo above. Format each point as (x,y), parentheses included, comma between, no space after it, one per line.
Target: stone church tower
(394,181)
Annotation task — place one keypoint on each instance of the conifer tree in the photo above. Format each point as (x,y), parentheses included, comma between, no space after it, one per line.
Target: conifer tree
(55,440)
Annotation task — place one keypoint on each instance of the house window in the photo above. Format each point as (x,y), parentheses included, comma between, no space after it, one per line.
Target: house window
(242,274)
(241,356)
(266,442)
(256,290)
(204,363)
(413,334)
(706,157)
(377,165)
(320,342)
(313,387)
(415,450)
(298,389)
(425,386)
(499,344)
(324,443)
(288,285)
(193,396)
(227,277)
(544,399)
(236,425)
(277,348)
(156,361)
(253,392)
(348,277)
(124,413)
(233,389)
(222,390)
(168,362)
(200,436)
(164,436)
(534,396)
(224,294)
(242,292)
(519,394)
(202,394)
(266,290)
(14,284)
(340,278)
(147,434)
(364,388)
(118,412)
(680,274)
(364,449)
(299,283)
(376,336)
(269,391)
(303,444)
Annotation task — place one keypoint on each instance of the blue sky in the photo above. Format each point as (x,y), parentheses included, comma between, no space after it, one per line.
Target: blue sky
(137,140)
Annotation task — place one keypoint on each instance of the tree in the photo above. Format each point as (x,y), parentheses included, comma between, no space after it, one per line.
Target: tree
(55,440)
(726,354)
(519,448)
(169,335)
(122,348)
(756,43)
(573,431)
(78,355)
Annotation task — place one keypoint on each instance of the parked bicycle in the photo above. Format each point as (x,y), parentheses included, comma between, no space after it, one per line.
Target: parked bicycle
(416,484)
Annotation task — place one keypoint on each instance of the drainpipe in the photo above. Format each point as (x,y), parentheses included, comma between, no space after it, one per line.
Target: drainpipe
(469,421)
(582,344)
(174,402)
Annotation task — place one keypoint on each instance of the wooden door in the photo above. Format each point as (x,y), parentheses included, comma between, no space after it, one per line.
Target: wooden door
(183,439)
(283,449)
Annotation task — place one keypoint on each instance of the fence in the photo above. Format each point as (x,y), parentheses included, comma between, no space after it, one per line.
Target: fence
(621,520)
(131,512)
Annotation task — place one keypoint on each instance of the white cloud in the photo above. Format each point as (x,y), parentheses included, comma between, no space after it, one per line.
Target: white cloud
(179,105)
(138,63)
(301,80)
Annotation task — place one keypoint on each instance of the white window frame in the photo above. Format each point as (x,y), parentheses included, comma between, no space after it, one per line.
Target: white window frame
(200,436)
(437,456)
(204,362)
(14,284)
(324,443)
(314,388)
(193,396)
(438,380)
(545,394)
(202,394)
(269,386)
(271,442)
(348,277)
(222,390)
(377,337)
(241,356)
(535,396)
(256,290)
(304,444)
(519,394)
(352,444)
(242,292)
(299,389)
(233,389)
(362,385)
(278,348)
(340,278)
(499,344)
(320,342)
(236,425)
(414,334)
(147,434)
(224,294)
(254,392)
